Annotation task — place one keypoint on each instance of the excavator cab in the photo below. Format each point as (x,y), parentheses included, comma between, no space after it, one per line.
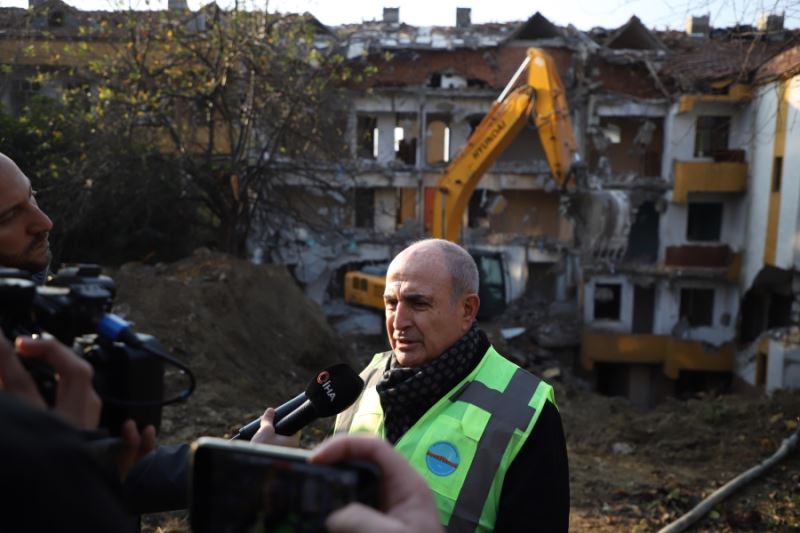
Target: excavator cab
(492,290)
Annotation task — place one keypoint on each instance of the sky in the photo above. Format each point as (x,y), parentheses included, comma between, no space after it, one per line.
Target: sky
(584,14)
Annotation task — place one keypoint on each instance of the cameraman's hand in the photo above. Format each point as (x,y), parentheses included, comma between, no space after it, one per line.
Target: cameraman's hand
(406,500)
(76,400)
(266,433)
(135,445)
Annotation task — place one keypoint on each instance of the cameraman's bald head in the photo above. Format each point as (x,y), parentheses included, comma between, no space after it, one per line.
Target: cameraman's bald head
(24,228)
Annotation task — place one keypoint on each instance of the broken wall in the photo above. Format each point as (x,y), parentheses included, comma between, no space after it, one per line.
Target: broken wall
(639,147)
(386,203)
(526,212)
(608,304)
(628,77)
(783,366)
(730,218)
(481,68)
(770,364)
(683,135)
(616,304)
(320,208)
(668,320)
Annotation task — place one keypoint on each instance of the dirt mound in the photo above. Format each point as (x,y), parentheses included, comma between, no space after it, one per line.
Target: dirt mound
(254,340)
(247,331)
(637,470)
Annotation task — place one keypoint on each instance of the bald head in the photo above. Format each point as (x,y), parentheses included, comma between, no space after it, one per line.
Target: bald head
(8,167)
(24,228)
(455,259)
(431,300)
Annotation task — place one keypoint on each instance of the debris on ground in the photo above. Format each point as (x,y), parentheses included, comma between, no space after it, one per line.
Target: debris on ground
(254,340)
(247,331)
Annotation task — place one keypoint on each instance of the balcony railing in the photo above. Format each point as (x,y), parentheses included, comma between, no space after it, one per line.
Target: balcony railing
(673,354)
(718,257)
(708,176)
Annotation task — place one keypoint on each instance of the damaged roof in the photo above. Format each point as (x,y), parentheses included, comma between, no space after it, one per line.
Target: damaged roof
(693,62)
(669,59)
(377,36)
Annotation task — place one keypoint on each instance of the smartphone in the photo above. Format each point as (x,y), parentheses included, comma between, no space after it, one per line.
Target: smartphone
(239,486)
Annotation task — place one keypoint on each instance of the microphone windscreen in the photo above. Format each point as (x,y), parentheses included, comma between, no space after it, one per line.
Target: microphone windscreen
(334,390)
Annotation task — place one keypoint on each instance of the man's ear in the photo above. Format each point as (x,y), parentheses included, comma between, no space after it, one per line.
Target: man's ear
(469,307)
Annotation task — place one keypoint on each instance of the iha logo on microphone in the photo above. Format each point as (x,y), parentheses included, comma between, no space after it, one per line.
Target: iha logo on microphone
(324,379)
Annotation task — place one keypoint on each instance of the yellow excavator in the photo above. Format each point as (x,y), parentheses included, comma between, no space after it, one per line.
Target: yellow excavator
(542,100)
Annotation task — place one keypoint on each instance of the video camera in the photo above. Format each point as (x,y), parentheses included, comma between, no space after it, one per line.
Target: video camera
(74,306)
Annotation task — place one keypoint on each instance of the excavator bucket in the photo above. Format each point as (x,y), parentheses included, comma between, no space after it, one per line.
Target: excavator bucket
(602,221)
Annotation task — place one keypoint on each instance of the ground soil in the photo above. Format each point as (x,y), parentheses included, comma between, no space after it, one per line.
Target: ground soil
(253,340)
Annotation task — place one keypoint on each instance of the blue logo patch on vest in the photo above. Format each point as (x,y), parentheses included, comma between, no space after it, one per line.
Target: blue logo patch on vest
(442,458)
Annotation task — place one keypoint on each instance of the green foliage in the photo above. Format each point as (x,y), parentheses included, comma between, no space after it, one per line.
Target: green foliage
(86,185)
(176,131)
(242,102)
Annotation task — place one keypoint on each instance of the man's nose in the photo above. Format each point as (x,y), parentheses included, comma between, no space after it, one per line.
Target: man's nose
(39,222)
(402,317)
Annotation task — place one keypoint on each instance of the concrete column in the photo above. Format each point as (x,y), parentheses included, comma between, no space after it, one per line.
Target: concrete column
(385,210)
(351,133)
(386,125)
(794,316)
(459,133)
(640,385)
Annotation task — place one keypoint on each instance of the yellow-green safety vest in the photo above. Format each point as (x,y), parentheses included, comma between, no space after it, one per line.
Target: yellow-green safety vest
(464,444)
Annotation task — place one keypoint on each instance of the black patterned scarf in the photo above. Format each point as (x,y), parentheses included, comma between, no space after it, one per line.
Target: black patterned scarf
(406,393)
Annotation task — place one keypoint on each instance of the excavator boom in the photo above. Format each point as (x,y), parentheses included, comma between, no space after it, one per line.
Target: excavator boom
(543,98)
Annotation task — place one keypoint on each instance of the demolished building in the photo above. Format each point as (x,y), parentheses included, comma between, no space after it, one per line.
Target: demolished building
(695,129)
(669,118)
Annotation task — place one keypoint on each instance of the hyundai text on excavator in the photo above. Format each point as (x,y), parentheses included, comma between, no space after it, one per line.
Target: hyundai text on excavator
(542,100)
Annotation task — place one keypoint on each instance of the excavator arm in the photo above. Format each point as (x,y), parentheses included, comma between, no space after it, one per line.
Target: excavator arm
(543,100)
(602,218)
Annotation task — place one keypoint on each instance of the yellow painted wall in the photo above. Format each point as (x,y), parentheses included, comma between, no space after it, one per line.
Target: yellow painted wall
(674,354)
(774,213)
(708,176)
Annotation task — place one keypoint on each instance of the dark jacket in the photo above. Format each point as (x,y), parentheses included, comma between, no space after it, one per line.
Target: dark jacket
(48,480)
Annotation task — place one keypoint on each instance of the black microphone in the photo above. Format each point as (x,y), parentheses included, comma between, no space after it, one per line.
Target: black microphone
(329,393)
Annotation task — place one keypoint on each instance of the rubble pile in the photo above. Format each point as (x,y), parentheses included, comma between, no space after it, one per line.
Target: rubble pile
(638,470)
(253,340)
(247,331)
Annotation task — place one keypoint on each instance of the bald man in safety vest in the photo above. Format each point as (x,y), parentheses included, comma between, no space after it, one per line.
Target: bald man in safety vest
(483,432)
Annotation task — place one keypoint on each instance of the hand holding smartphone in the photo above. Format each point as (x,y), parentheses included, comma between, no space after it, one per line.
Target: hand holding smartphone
(239,486)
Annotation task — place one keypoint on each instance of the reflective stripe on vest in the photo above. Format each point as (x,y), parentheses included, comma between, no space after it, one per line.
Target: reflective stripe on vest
(481,426)
(508,414)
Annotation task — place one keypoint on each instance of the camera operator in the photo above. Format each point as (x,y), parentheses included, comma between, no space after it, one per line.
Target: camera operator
(24,228)
(51,481)
(24,244)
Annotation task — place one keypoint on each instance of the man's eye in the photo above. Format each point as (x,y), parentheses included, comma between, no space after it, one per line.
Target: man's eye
(7,216)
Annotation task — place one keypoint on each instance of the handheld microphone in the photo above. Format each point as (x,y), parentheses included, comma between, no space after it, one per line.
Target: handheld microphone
(329,393)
